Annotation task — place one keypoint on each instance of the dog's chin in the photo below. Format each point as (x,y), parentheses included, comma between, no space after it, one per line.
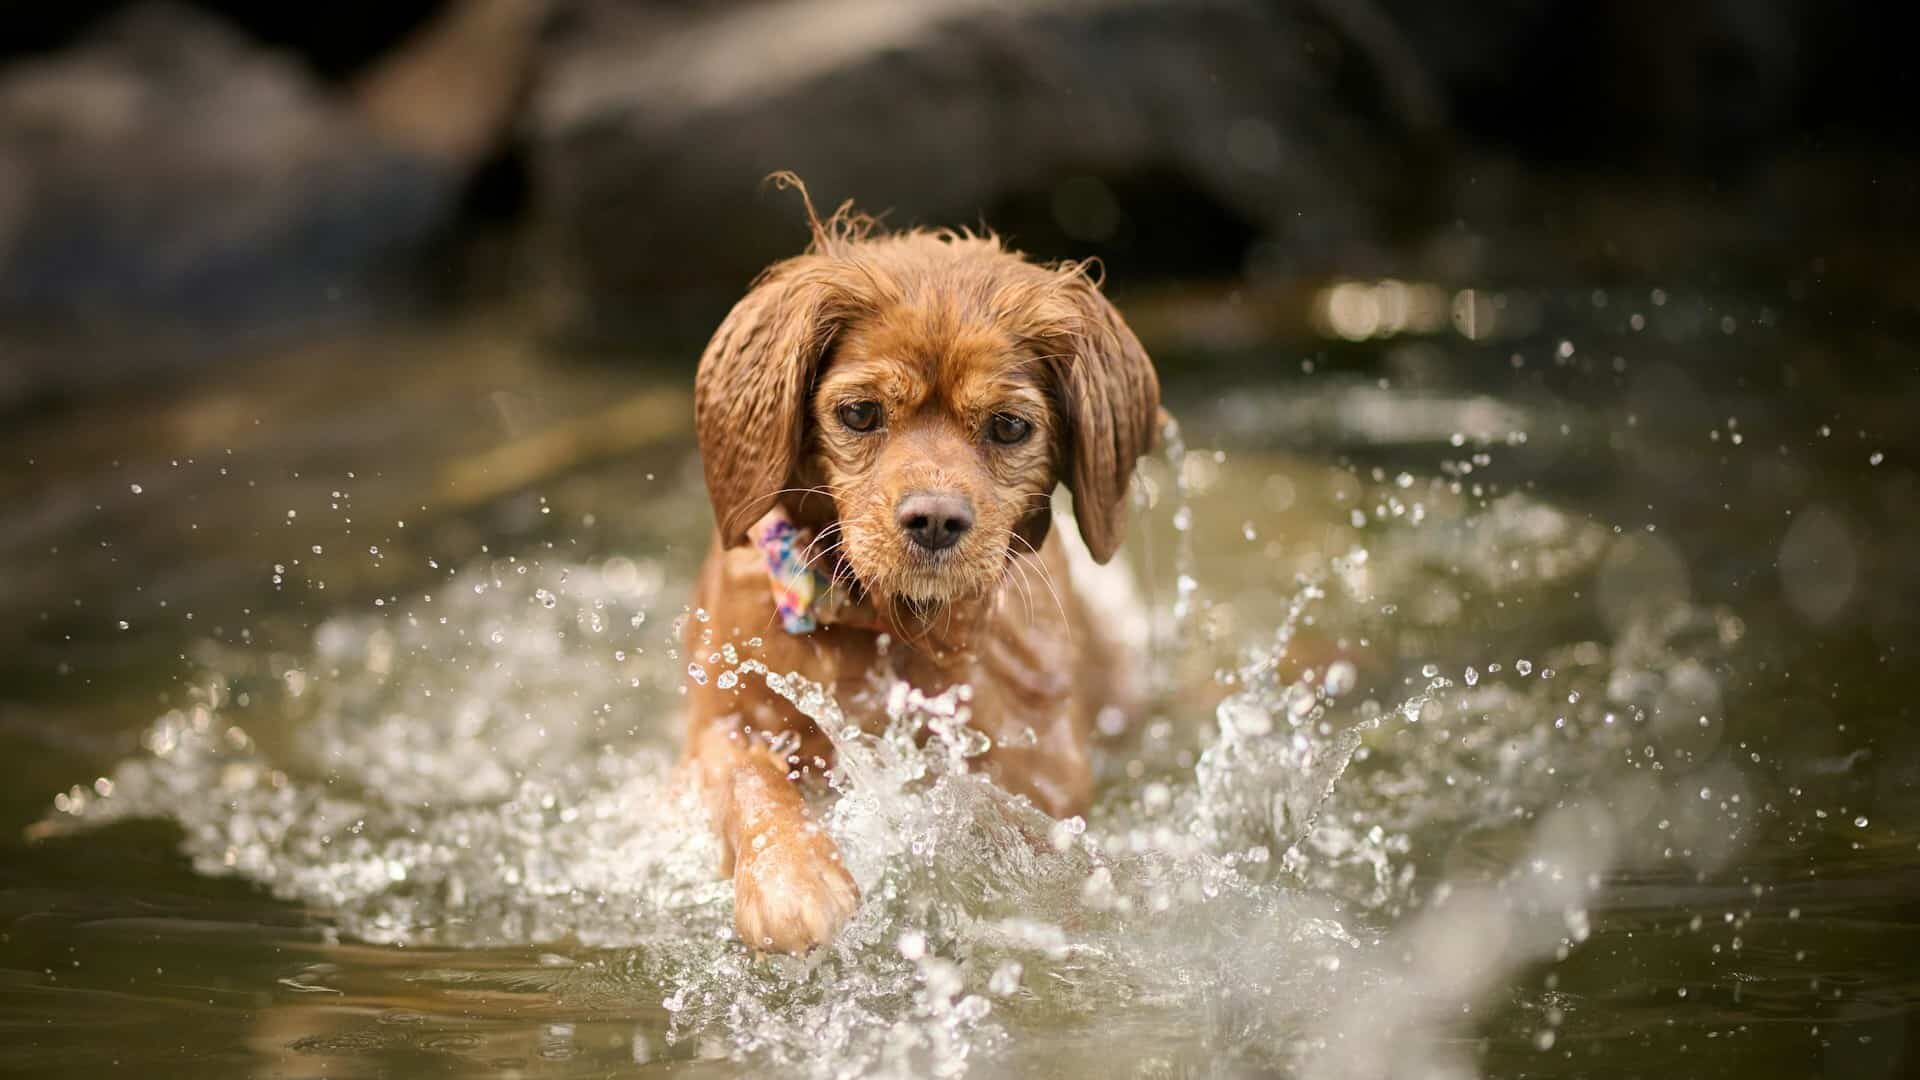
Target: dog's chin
(926,583)
(924,590)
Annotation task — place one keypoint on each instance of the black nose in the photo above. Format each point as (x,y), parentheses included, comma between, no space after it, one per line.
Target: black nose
(935,521)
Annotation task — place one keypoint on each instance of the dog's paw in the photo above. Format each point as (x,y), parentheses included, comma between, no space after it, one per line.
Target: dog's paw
(792,893)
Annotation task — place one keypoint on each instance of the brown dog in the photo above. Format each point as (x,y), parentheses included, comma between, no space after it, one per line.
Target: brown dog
(910,401)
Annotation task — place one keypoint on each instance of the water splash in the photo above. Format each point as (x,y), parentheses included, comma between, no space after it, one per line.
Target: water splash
(459,782)
(492,767)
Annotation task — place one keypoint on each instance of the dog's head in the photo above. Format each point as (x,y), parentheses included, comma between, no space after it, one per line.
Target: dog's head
(916,396)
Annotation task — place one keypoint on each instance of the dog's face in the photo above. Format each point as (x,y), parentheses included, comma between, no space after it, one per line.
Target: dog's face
(916,397)
(935,436)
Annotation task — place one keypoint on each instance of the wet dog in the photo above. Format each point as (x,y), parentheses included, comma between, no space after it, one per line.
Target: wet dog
(883,421)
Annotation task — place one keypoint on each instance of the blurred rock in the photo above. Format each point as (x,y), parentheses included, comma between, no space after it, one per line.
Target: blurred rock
(168,169)
(167,166)
(652,126)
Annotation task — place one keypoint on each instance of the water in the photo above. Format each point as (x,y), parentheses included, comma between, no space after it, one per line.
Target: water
(1525,704)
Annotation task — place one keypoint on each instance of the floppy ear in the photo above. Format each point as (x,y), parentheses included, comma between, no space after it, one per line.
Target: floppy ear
(750,396)
(1111,400)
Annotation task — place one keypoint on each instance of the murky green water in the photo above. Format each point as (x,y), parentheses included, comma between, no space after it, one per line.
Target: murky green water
(1530,703)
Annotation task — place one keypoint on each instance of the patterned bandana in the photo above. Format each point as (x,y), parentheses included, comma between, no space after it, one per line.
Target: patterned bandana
(806,598)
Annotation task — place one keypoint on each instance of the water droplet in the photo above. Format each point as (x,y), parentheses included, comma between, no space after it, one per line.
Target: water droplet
(1061,834)
(1860,822)
(697,674)
(1473,677)
(1341,677)
(137,489)
(1005,979)
(1524,667)
(1244,717)
(1300,702)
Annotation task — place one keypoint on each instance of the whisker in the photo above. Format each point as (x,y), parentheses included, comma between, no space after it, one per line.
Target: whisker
(900,624)
(1025,583)
(820,489)
(1046,578)
(808,555)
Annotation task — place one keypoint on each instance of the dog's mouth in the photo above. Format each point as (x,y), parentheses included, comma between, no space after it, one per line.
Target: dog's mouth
(927,579)
(919,580)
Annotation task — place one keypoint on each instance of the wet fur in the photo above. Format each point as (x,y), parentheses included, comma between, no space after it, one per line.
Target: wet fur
(944,330)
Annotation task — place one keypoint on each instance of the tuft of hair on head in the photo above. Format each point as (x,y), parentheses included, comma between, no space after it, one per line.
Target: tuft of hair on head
(1090,269)
(836,232)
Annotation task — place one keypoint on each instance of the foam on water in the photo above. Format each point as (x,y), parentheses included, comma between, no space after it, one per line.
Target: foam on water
(492,766)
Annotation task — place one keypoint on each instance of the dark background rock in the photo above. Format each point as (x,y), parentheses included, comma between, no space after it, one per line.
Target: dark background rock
(247,166)
(1219,138)
(170,167)
(1222,121)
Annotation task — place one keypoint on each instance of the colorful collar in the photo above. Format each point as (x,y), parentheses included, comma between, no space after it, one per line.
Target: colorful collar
(805,598)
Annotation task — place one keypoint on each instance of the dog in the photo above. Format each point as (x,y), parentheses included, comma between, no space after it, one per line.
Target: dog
(882,422)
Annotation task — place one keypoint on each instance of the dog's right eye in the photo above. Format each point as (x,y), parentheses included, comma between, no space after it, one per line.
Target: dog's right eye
(860,415)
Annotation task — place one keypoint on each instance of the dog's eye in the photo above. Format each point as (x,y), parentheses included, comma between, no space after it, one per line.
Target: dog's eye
(1008,430)
(860,415)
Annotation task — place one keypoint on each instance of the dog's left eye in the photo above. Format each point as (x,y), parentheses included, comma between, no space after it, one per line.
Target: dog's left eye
(860,415)
(1008,430)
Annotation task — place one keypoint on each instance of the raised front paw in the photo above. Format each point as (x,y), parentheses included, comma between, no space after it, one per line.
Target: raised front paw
(791,893)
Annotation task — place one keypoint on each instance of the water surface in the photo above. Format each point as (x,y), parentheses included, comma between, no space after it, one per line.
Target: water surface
(1528,703)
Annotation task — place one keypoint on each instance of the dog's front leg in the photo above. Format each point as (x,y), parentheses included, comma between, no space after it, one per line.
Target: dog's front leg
(790,890)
